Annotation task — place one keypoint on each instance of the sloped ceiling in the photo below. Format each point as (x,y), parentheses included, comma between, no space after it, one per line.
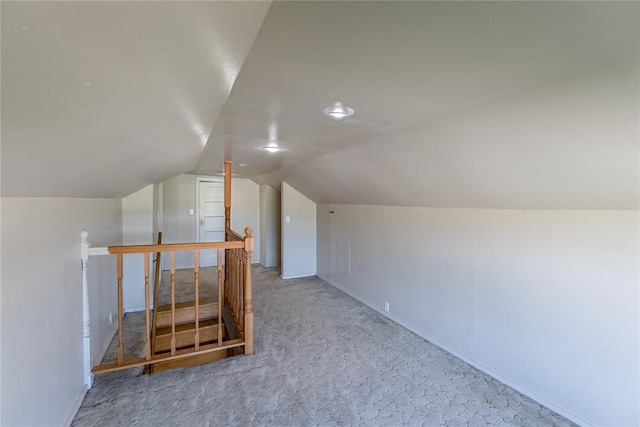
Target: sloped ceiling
(458,104)
(102,98)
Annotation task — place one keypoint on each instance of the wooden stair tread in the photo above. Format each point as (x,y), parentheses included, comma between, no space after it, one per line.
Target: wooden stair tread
(184,327)
(185,336)
(186,304)
(196,359)
(185,312)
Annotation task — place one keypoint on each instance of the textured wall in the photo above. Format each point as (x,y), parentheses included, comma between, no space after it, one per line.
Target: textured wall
(42,302)
(298,236)
(270,206)
(544,300)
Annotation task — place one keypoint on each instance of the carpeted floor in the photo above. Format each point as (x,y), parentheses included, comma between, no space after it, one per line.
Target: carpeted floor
(321,358)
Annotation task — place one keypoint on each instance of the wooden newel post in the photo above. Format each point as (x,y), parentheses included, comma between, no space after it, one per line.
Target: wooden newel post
(248,293)
(227,226)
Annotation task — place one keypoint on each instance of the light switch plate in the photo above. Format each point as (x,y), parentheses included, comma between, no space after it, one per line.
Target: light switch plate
(287,219)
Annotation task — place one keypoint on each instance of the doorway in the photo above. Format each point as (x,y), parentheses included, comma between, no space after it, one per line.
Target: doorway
(209,216)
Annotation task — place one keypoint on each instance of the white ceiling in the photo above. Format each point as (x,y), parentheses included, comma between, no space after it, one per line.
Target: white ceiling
(458,104)
(420,75)
(102,98)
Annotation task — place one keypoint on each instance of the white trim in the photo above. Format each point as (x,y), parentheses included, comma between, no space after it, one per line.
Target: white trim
(200,179)
(76,406)
(300,276)
(86,316)
(465,358)
(137,308)
(98,251)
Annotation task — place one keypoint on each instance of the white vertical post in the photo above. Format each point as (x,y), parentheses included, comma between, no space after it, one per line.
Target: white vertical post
(86,330)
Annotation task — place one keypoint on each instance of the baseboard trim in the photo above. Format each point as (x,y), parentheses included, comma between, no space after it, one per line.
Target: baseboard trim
(137,309)
(298,276)
(76,406)
(466,358)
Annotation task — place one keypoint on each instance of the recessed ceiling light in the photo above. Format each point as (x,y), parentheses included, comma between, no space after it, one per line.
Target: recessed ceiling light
(272,148)
(242,165)
(338,111)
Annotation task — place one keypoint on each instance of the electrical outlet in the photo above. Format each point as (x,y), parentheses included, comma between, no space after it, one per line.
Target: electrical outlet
(386,306)
(110,318)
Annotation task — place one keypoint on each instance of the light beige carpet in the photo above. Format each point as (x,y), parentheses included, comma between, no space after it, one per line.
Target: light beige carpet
(322,358)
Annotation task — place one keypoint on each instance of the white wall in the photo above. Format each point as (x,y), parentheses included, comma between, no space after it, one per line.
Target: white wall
(298,236)
(137,229)
(245,211)
(179,195)
(157,210)
(270,205)
(546,301)
(1,369)
(41,309)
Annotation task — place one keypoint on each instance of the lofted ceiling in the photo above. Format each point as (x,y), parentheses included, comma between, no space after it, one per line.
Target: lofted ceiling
(458,104)
(100,99)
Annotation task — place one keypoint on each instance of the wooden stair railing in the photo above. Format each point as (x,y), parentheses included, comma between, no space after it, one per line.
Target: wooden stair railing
(239,286)
(174,340)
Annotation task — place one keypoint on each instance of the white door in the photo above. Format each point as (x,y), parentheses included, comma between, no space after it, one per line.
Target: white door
(210,218)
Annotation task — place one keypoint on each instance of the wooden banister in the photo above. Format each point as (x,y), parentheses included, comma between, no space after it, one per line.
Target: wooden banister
(234,289)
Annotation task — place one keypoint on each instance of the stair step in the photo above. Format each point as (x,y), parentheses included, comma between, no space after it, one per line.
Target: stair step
(194,360)
(185,335)
(185,312)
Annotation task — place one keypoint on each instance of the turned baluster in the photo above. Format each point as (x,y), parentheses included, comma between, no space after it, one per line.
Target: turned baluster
(196,274)
(248,292)
(220,297)
(172,258)
(120,310)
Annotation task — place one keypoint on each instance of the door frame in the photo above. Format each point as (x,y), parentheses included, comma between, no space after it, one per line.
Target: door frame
(200,179)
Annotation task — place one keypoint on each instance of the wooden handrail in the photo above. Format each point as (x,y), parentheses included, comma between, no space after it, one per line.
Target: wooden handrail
(235,237)
(174,247)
